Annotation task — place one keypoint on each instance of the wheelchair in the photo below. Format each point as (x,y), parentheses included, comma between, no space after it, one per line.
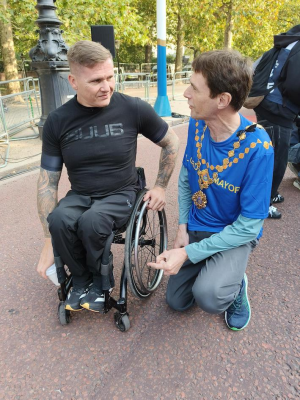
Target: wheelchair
(144,237)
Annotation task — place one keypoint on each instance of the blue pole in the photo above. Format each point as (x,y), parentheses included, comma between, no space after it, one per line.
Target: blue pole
(162,105)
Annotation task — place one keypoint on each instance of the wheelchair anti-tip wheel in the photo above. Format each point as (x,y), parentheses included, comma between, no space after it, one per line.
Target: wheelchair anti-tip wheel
(64,315)
(146,238)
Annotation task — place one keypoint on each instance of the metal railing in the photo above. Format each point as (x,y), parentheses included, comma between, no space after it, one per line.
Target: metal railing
(182,77)
(147,67)
(18,111)
(23,110)
(4,138)
(141,84)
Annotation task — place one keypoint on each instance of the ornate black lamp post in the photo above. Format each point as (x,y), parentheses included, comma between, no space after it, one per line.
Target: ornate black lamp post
(49,59)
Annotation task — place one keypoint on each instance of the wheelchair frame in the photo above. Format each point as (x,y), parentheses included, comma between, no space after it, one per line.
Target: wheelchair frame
(146,231)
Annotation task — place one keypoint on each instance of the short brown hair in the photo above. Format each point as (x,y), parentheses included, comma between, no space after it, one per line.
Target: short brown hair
(87,54)
(226,71)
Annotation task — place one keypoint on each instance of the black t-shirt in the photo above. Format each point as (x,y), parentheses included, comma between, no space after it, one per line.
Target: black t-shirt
(98,145)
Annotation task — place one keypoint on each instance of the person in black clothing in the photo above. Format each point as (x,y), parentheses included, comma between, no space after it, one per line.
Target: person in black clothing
(277,112)
(95,136)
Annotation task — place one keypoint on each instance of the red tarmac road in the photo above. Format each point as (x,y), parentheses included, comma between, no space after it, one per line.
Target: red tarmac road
(165,355)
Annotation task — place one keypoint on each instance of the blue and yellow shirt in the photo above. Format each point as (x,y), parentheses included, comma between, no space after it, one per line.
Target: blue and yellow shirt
(244,176)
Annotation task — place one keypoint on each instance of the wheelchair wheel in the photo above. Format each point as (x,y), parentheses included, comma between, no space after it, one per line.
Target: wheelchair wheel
(146,238)
(122,321)
(64,315)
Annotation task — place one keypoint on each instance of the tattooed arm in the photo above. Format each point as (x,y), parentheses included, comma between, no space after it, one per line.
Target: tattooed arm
(157,195)
(46,201)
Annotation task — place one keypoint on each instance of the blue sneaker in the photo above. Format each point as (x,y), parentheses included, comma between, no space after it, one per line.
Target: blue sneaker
(238,314)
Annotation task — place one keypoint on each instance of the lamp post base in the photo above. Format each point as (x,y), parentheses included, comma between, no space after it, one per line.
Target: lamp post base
(162,106)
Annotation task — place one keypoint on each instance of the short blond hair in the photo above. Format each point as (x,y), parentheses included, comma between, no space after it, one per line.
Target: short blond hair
(87,54)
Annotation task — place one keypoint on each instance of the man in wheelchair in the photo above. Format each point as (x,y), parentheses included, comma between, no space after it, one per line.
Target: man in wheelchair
(95,136)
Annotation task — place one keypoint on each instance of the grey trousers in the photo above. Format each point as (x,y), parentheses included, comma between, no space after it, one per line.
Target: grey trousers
(212,283)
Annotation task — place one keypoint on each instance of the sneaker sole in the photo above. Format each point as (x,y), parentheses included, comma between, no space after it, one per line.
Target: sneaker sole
(240,329)
(87,307)
(272,217)
(68,307)
(277,201)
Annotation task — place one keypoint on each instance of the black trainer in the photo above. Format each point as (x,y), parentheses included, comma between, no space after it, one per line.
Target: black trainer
(94,300)
(74,298)
(278,198)
(274,213)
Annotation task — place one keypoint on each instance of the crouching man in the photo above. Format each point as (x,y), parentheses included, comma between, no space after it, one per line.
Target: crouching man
(224,193)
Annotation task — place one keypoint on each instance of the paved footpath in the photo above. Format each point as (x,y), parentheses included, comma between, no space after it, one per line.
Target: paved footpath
(165,355)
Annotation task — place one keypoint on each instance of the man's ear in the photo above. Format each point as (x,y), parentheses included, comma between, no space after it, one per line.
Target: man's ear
(72,81)
(224,100)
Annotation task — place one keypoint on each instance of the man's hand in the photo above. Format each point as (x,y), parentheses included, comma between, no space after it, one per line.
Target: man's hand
(182,237)
(170,261)
(46,258)
(156,197)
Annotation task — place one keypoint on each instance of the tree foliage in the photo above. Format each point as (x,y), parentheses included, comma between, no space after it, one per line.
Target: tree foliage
(77,17)
(203,26)
(8,49)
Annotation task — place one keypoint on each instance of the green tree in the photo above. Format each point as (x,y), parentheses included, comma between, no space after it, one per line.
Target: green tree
(176,22)
(247,27)
(288,15)
(23,17)
(146,9)
(8,49)
(253,25)
(201,29)
(199,25)
(77,17)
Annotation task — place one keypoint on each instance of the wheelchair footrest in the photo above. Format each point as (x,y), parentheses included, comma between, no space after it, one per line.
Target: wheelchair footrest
(108,280)
(60,269)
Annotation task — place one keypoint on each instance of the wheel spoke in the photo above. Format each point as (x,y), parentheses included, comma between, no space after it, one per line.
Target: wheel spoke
(148,231)
(146,255)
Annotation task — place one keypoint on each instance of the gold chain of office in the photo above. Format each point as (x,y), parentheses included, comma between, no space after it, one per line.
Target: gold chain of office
(199,198)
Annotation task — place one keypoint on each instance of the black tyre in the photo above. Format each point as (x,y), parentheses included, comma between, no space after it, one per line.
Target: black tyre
(122,321)
(64,315)
(146,238)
